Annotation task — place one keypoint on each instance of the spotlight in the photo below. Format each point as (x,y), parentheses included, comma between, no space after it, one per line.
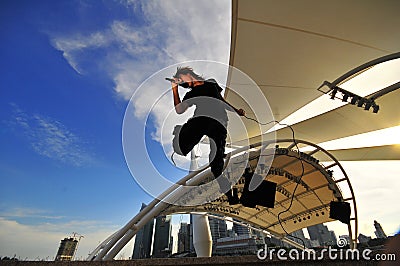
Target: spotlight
(354,100)
(345,97)
(367,105)
(299,220)
(304,218)
(308,217)
(334,91)
(295,221)
(360,102)
(317,214)
(322,213)
(375,109)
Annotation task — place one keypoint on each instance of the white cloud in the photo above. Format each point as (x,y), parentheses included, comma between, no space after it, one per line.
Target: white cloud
(37,242)
(50,138)
(376,187)
(172,32)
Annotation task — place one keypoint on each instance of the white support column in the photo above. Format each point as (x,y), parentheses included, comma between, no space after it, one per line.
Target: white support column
(202,241)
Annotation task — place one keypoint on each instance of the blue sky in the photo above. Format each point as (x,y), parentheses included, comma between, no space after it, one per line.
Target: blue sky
(68,70)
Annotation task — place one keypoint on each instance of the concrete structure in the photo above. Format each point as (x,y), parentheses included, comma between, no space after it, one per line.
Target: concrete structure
(143,240)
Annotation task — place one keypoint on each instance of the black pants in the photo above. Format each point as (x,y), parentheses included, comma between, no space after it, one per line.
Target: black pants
(189,134)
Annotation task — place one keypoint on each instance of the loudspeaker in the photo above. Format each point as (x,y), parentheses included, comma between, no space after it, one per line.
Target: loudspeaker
(340,210)
(263,195)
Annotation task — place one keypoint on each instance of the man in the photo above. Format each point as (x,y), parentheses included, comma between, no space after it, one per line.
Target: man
(210,117)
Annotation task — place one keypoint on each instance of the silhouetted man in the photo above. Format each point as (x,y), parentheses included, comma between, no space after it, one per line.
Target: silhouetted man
(210,117)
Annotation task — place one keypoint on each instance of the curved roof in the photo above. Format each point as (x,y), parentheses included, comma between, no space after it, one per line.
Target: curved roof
(313,185)
(289,48)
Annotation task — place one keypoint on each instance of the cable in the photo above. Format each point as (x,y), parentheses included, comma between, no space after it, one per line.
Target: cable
(301,176)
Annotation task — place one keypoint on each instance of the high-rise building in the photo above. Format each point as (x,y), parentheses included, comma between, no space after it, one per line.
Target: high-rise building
(184,238)
(379,231)
(67,249)
(162,237)
(241,230)
(298,237)
(218,230)
(363,238)
(321,233)
(144,236)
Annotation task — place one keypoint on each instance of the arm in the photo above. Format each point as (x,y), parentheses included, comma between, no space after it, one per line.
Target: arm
(240,112)
(180,107)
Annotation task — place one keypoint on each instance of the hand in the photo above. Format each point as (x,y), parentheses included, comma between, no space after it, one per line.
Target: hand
(241,112)
(175,82)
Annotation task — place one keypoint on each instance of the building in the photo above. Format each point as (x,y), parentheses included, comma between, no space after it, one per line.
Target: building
(363,238)
(245,244)
(379,231)
(144,236)
(298,237)
(241,230)
(67,249)
(321,233)
(218,230)
(162,237)
(184,238)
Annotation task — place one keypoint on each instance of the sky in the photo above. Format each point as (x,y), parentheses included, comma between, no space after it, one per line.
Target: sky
(68,72)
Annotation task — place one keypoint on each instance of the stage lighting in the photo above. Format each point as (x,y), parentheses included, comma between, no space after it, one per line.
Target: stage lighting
(354,100)
(375,109)
(360,102)
(367,105)
(334,91)
(345,97)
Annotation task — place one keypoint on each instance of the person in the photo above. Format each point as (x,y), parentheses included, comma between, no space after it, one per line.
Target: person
(209,119)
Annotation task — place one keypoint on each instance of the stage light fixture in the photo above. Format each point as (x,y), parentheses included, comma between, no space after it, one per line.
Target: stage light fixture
(345,97)
(360,102)
(354,100)
(333,93)
(375,109)
(367,105)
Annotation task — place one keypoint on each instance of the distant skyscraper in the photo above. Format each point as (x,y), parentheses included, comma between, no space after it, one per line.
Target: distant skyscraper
(162,237)
(241,230)
(184,238)
(363,238)
(67,249)
(298,236)
(321,233)
(379,231)
(143,240)
(218,229)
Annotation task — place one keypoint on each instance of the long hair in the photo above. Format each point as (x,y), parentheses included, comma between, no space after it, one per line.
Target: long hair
(187,70)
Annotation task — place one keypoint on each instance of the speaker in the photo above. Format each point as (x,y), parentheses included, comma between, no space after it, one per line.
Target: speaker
(340,210)
(263,195)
